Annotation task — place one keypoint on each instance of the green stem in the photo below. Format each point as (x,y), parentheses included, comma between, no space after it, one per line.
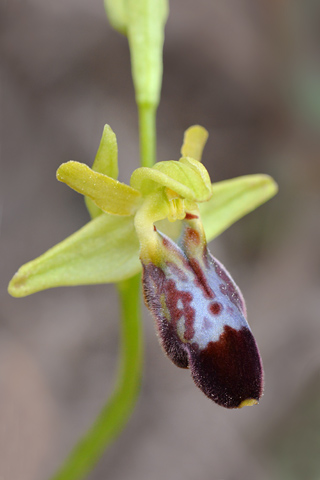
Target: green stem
(117,410)
(147,132)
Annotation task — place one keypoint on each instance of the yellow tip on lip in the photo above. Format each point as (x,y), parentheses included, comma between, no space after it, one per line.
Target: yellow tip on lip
(248,402)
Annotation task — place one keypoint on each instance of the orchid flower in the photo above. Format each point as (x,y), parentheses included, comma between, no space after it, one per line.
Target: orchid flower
(161,223)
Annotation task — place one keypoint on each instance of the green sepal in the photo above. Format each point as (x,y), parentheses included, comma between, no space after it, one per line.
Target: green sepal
(233,199)
(108,194)
(188,180)
(105,250)
(106,162)
(194,140)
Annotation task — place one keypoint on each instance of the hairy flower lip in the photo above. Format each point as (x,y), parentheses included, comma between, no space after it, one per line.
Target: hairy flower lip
(201,321)
(229,371)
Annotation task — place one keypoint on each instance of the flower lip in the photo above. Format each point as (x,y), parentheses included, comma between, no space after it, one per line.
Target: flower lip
(201,319)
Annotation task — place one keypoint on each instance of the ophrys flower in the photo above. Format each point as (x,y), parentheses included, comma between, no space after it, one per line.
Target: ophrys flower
(199,311)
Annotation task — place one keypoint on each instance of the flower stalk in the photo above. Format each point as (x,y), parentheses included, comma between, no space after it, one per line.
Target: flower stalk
(115,414)
(147,134)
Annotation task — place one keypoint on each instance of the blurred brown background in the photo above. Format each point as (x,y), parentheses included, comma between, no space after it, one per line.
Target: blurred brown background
(248,70)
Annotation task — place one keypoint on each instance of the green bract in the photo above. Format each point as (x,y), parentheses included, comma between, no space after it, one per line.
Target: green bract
(106,249)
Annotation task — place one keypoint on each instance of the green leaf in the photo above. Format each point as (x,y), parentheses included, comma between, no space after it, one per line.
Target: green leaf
(106,162)
(108,194)
(145,29)
(233,199)
(105,250)
(194,140)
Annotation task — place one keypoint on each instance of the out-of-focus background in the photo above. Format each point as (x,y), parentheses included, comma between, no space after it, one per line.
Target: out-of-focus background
(249,72)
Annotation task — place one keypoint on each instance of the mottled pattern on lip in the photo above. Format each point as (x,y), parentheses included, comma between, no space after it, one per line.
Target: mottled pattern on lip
(215,308)
(201,321)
